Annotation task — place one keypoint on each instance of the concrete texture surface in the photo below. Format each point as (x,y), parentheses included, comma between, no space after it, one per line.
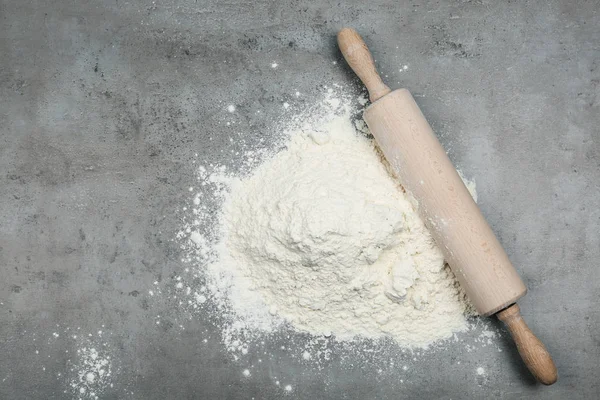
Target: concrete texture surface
(103,105)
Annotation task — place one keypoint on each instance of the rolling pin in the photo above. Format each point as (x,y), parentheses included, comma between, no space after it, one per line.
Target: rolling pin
(457,225)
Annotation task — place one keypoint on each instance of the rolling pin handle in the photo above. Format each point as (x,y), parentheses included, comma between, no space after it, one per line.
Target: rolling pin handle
(532,350)
(359,58)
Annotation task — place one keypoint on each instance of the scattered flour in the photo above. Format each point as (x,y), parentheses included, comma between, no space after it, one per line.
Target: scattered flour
(327,238)
(91,371)
(90,363)
(321,236)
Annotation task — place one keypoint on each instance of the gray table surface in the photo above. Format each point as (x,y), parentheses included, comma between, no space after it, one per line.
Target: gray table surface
(103,105)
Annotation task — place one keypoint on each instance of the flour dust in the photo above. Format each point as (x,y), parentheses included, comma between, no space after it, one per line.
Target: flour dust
(316,246)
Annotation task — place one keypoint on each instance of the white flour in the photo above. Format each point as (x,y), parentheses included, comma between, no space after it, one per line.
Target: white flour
(92,373)
(323,237)
(91,368)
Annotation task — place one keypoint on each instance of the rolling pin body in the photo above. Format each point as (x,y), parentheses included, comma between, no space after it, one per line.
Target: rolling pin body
(445,205)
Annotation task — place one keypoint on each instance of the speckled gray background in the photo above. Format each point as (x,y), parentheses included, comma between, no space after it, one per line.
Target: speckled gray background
(103,105)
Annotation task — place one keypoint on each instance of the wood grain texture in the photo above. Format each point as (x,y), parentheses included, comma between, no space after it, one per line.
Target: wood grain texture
(359,58)
(532,350)
(444,203)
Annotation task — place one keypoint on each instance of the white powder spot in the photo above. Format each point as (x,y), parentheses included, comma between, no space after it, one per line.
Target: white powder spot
(405,67)
(480,371)
(197,238)
(91,371)
(286,105)
(274,65)
(231,108)
(306,355)
(288,388)
(297,94)
(246,372)
(200,298)
(471,187)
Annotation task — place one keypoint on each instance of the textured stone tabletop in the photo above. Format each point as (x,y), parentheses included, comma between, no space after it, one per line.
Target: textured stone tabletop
(105,104)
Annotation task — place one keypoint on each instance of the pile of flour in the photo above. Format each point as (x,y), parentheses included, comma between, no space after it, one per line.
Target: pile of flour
(322,236)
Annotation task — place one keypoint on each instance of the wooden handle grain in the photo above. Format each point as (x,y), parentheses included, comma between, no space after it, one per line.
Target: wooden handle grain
(359,58)
(532,350)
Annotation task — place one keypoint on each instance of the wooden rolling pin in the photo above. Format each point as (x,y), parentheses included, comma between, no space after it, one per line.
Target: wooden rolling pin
(445,205)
